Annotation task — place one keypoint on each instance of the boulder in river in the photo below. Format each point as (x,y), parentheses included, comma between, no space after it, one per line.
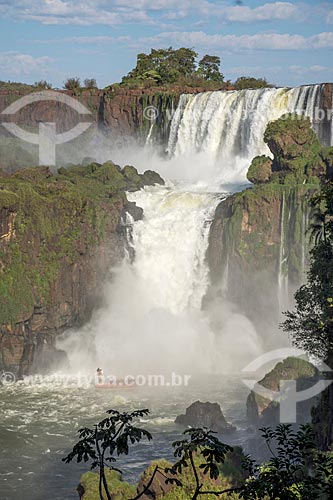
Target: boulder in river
(208,415)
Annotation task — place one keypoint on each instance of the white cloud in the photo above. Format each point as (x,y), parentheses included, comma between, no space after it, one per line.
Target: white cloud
(262,41)
(117,12)
(17,64)
(266,12)
(202,40)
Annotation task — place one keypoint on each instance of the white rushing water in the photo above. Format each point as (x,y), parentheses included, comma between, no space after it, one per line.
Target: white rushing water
(152,319)
(228,127)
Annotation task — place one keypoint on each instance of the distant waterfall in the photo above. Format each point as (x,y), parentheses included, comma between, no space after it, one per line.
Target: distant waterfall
(228,127)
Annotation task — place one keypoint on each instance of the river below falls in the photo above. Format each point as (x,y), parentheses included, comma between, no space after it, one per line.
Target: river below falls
(39,423)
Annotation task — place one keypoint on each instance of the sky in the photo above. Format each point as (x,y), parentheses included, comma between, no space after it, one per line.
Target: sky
(290,43)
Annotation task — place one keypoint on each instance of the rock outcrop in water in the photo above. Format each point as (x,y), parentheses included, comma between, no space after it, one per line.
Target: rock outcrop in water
(59,236)
(265,412)
(298,156)
(208,415)
(259,244)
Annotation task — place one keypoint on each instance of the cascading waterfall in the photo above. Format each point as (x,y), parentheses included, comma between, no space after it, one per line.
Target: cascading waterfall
(153,306)
(228,127)
(283,257)
(152,320)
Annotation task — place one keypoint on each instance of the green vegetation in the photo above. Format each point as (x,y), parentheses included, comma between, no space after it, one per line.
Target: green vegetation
(90,83)
(209,68)
(72,83)
(121,490)
(24,87)
(205,466)
(248,82)
(299,156)
(260,170)
(174,67)
(52,219)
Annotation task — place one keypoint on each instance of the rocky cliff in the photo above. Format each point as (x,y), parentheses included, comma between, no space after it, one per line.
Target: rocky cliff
(259,243)
(59,236)
(116,115)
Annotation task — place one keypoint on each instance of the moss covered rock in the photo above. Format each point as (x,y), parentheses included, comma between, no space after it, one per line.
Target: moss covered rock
(231,475)
(260,170)
(266,412)
(59,235)
(88,487)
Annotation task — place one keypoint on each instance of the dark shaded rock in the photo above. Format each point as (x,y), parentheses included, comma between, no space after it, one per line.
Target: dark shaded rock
(132,208)
(150,178)
(205,415)
(244,251)
(159,487)
(134,180)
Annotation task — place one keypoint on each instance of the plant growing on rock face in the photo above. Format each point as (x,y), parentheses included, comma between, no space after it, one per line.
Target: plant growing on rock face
(111,436)
(211,453)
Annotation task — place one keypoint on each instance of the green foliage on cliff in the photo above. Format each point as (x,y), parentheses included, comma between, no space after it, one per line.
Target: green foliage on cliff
(298,154)
(248,82)
(174,67)
(51,219)
(260,170)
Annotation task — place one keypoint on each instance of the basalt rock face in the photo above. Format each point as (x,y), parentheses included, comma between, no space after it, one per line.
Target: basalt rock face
(259,243)
(258,251)
(59,237)
(116,115)
(298,156)
(207,415)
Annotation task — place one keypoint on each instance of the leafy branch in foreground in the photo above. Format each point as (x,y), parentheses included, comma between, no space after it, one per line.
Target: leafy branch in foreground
(201,443)
(111,436)
(297,470)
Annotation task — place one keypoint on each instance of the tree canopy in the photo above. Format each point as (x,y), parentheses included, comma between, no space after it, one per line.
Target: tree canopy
(169,66)
(248,82)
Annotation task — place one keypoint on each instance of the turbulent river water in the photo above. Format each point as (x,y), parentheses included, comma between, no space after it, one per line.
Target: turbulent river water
(151,323)
(38,425)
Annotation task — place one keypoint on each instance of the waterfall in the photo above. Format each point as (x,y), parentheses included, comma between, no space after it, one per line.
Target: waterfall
(152,320)
(228,127)
(283,257)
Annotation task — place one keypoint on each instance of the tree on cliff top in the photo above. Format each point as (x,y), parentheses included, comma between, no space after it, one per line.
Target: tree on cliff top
(72,83)
(169,66)
(209,68)
(248,82)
